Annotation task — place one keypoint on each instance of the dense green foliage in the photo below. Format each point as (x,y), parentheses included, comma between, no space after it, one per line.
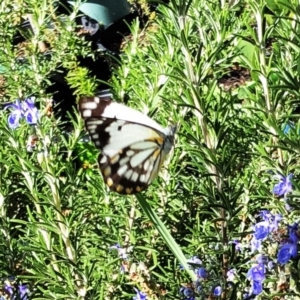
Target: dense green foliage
(58,221)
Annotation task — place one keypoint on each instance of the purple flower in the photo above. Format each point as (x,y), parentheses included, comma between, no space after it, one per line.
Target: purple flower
(31,113)
(286,252)
(26,110)
(255,244)
(293,235)
(257,287)
(288,207)
(28,104)
(257,273)
(238,245)
(231,275)
(277,219)
(262,259)
(16,114)
(217,291)
(271,219)
(22,291)
(139,295)
(201,273)
(32,116)
(187,292)
(266,215)
(9,289)
(261,230)
(284,186)
(121,251)
(270,265)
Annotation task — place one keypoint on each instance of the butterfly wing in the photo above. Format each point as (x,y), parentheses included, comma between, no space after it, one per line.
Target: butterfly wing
(130,168)
(131,153)
(104,107)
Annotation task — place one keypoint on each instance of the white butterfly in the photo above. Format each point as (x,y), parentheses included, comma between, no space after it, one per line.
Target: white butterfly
(133,146)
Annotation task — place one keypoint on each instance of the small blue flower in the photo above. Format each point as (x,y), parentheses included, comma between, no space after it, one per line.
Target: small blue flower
(231,275)
(270,220)
(217,291)
(238,245)
(14,291)
(257,287)
(256,273)
(31,113)
(255,244)
(277,219)
(265,215)
(16,114)
(32,116)
(201,273)
(261,230)
(293,233)
(23,291)
(139,295)
(13,120)
(9,289)
(262,259)
(286,252)
(26,110)
(28,104)
(284,186)
(270,265)
(288,207)
(121,251)
(187,292)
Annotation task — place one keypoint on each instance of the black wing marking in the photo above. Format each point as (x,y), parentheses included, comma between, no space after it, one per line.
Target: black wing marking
(131,153)
(125,178)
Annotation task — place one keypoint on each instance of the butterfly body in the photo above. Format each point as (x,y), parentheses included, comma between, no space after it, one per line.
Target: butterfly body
(133,146)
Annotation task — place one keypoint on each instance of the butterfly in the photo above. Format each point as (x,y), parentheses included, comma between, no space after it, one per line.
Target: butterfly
(133,146)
